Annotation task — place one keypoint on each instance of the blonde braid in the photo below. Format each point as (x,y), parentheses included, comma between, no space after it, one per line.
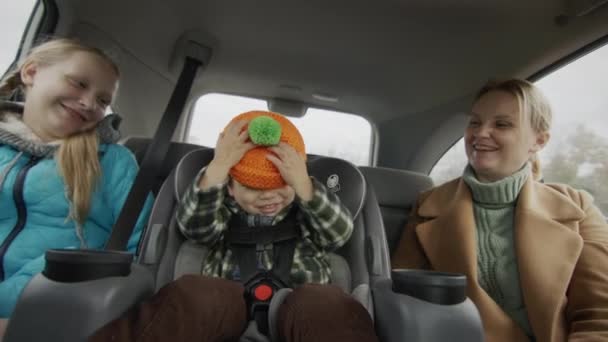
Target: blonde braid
(78,163)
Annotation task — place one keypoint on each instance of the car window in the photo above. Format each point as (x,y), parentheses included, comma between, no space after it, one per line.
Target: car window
(450,165)
(15,15)
(325,132)
(577,153)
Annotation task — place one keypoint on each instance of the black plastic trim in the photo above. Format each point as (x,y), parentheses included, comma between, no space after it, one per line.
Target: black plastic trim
(77,265)
(49,20)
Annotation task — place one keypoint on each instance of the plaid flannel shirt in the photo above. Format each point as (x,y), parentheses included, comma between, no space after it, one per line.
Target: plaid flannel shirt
(325,225)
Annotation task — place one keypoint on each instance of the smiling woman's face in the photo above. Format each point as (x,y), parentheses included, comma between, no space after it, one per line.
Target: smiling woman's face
(497,140)
(69,96)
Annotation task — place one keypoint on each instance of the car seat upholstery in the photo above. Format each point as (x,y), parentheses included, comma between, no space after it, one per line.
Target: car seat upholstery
(361,267)
(164,246)
(170,255)
(396,192)
(139,145)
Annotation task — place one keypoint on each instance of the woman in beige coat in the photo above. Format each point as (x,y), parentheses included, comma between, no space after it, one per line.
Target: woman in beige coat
(535,255)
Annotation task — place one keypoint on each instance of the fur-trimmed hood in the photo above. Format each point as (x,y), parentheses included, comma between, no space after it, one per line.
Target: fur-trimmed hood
(15,133)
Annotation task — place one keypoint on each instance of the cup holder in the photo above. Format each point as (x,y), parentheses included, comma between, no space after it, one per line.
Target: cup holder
(434,287)
(75,265)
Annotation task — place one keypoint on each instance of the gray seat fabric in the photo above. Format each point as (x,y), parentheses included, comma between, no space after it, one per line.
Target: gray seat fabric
(188,259)
(396,192)
(138,146)
(169,255)
(347,182)
(162,244)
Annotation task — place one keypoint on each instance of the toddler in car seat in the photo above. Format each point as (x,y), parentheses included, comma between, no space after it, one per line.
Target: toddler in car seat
(257,183)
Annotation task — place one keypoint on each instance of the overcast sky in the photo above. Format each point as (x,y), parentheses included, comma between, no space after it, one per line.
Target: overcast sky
(13,18)
(578,93)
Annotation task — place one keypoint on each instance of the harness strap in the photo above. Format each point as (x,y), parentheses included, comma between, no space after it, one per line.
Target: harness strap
(244,242)
(239,234)
(283,259)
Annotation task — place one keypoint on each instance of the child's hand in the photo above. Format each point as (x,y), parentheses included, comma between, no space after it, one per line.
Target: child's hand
(292,167)
(231,146)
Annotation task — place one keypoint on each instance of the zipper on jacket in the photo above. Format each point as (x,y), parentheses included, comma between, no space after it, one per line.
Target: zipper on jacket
(21,211)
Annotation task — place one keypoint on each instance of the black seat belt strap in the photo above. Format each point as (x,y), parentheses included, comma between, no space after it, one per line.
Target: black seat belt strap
(244,241)
(283,259)
(153,159)
(247,260)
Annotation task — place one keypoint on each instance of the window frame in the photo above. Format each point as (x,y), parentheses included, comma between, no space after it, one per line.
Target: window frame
(41,22)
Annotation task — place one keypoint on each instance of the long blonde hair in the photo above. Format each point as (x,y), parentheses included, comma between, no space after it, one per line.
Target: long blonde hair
(77,156)
(533,106)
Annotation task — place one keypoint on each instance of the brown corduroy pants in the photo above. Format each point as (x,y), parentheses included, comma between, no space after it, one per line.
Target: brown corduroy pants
(206,309)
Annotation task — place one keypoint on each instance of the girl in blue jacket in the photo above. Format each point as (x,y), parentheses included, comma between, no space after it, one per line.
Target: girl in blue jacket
(63,178)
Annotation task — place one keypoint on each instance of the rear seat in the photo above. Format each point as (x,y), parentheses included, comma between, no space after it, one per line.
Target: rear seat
(396,192)
(361,266)
(177,150)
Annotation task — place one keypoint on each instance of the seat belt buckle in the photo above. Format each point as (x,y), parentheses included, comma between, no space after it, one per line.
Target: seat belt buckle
(259,291)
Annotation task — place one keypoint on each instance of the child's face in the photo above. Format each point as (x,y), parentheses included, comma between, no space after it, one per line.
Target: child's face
(69,96)
(261,202)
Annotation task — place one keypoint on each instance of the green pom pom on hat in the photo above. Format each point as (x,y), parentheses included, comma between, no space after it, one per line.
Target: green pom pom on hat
(264,131)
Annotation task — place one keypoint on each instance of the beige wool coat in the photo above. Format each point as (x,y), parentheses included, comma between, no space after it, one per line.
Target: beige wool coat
(561,244)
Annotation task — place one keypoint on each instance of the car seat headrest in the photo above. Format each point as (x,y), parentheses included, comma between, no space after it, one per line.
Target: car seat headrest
(188,168)
(385,180)
(339,176)
(342,178)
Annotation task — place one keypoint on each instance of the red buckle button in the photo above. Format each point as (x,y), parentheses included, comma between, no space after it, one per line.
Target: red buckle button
(262,292)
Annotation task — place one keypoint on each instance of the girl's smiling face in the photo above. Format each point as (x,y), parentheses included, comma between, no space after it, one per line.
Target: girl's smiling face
(68,96)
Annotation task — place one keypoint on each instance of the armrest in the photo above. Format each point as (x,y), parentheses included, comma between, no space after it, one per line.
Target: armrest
(400,317)
(430,286)
(50,310)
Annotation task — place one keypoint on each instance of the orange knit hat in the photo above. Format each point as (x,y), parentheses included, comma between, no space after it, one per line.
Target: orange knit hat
(254,170)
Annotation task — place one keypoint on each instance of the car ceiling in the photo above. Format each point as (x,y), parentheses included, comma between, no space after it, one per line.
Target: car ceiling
(393,62)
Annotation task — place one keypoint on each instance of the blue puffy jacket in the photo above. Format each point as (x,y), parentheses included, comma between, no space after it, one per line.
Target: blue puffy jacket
(34,211)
